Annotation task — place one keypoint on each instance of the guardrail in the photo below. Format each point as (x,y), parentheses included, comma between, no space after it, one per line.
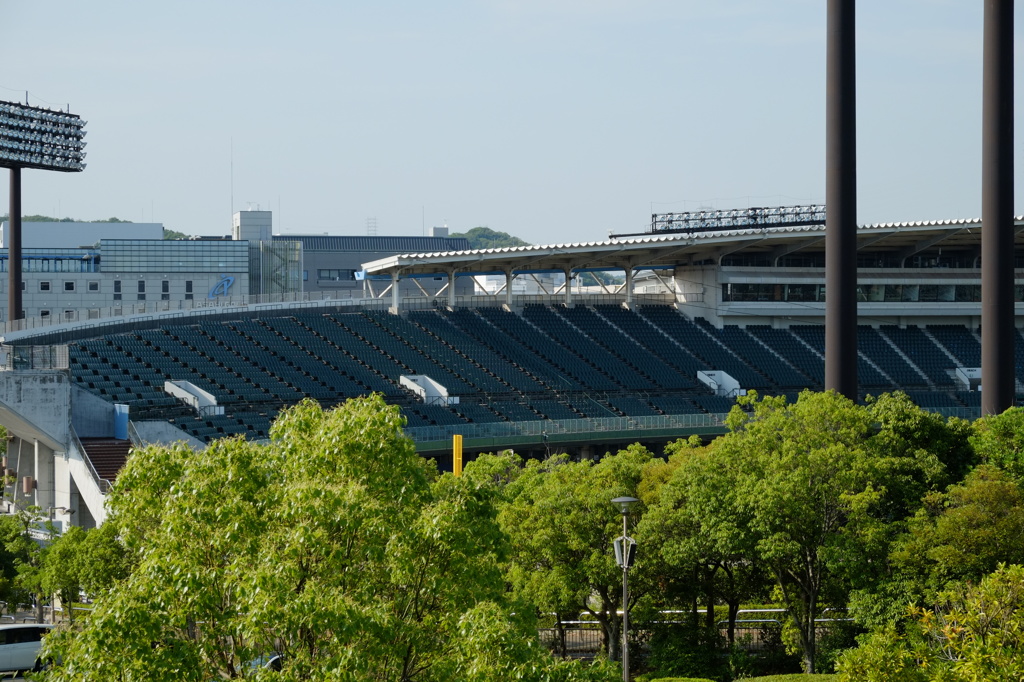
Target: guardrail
(564,427)
(133,435)
(103,484)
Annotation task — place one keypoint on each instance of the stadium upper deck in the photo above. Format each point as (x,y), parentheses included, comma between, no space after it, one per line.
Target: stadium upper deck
(926,271)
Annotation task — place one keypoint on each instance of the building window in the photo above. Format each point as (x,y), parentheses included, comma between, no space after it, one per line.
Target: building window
(69,314)
(69,286)
(94,286)
(117,286)
(44,313)
(165,286)
(117,297)
(142,297)
(336,275)
(188,297)
(188,286)
(142,288)
(305,275)
(165,297)
(44,286)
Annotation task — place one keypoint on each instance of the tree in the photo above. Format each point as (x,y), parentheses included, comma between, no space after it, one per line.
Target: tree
(561,525)
(80,560)
(335,544)
(17,550)
(972,633)
(697,530)
(61,569)
(964,533)
(486,238)
(798,468)
(999,440)
(910,453)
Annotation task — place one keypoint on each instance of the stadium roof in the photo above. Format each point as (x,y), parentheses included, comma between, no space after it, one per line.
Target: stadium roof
(657,251)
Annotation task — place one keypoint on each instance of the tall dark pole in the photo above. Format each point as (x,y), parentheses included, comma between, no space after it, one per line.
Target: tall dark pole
(997,239)
(841,202)
(13,238)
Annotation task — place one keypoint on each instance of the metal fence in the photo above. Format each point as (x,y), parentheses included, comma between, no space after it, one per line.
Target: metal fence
(560,427)
(582,638)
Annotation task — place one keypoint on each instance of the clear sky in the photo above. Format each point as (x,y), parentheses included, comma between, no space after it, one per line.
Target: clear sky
(554,120)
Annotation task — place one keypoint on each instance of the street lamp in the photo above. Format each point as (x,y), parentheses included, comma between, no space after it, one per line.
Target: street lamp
(625,555)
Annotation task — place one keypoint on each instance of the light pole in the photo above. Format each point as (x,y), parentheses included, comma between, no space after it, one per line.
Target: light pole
(625,554)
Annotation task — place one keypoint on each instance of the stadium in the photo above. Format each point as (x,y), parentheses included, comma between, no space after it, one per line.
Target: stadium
(706,306)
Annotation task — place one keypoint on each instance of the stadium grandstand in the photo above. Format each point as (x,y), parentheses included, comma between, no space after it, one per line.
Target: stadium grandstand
(702,311)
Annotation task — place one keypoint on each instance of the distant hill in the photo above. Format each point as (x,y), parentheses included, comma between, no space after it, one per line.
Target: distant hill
(168,234)
(486,238)
(50,219)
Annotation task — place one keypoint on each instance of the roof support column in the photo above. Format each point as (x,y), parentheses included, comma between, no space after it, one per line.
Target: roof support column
(451,289)
(629,286)
(997,228)
(508,287)
(394,292)
(568,287)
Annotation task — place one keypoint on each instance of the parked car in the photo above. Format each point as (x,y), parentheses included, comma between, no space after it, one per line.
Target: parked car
(268,661)
(20,644)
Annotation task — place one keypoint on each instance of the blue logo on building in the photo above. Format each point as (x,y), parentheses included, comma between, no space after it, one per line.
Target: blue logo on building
(221,288)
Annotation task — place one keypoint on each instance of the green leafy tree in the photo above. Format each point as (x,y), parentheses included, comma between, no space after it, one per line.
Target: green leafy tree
(999,440)
(335,544)
(16,549)
(798,468)
(561,525)
(61,568)
(103,559)
(973,633)
(910,453)
(699,532)
(964,533)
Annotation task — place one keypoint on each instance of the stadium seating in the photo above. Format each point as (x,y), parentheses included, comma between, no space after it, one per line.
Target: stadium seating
(548,363)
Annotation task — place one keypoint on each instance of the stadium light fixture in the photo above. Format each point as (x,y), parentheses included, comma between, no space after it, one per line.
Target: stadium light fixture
(32,137)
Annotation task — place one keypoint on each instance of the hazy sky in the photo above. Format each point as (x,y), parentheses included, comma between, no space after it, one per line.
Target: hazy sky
(554,120)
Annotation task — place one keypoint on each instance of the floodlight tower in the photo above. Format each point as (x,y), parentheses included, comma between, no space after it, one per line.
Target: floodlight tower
(31,137)
(841,201)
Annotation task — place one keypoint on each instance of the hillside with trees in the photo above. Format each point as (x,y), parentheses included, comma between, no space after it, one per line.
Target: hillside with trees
(486,238)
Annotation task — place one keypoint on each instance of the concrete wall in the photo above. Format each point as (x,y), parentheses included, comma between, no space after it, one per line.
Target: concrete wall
(41,397)
(91,415)
(165,433)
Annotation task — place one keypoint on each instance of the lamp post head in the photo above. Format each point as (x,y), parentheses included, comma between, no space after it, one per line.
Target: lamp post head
(624,503)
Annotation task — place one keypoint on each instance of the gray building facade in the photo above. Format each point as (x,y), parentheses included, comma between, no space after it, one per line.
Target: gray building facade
(331,263)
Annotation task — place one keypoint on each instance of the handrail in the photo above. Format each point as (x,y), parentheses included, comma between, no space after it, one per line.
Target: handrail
(103,484)
(133,435)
